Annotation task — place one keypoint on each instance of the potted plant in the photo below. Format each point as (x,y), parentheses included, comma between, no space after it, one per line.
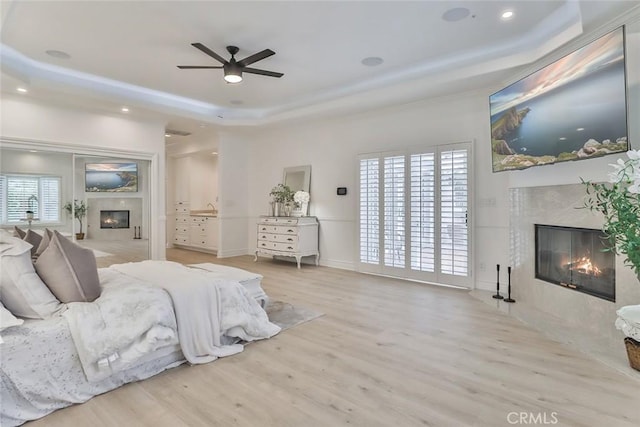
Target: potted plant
(79,209)
(619,202)
(281,195)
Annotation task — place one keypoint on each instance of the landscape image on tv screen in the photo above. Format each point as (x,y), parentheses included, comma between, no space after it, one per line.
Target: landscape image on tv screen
(572,109)
(111,177)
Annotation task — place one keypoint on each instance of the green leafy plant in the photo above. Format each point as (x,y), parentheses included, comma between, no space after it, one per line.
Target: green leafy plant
(619,202)
(79,210)
(282,194)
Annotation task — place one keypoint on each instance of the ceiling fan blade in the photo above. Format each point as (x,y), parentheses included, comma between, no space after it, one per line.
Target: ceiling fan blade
(194,67)
(209,52)
(261,72)
(256,57)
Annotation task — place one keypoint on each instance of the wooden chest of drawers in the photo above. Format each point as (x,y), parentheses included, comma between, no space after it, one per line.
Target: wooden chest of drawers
(288,236)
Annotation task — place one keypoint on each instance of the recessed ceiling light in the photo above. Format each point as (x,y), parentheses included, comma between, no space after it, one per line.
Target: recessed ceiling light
(455,14)
(372,61)
(507,14)
(580,129)
(124,109)
(166,135)
(33,151)
(22,90)
(214,153)
(58,54)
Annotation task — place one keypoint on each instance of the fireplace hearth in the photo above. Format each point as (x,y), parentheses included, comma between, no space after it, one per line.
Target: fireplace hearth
(576,258)
(114,219)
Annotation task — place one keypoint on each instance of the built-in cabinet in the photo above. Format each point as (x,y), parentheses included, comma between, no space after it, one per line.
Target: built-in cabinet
(288,236)
(196,231)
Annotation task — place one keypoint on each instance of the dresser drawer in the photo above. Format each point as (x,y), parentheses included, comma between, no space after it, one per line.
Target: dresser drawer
(283,247)
(182,229)
(182,240)
(277,229)
(182,220)
(281,238)
(278,220)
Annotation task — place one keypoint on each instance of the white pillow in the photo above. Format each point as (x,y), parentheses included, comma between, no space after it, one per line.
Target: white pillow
(7,319)
(21,289)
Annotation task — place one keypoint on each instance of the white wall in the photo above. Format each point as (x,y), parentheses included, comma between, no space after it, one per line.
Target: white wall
(84,133)
(233,201)
(331,148)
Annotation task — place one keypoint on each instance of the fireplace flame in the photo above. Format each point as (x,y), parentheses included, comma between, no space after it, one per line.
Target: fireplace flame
(585,266)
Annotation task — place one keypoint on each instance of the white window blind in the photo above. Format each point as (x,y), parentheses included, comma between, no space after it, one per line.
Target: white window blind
(423,212)
(454,236)
(40,194)
(369,211)
(49,199)
(394,214)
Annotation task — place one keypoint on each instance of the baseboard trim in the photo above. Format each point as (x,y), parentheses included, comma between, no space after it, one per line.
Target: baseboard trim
(232,253)
(342,265)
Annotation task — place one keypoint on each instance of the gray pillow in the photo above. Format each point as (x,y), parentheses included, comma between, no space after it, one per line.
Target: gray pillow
(44,243)
(69,270)
(17,232)
(34,239)
(21,290)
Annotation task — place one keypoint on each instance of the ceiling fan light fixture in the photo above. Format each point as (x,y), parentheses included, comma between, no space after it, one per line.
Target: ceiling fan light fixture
(232,72)
(232,78)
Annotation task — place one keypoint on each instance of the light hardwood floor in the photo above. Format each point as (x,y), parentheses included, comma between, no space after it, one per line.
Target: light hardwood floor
(386,353)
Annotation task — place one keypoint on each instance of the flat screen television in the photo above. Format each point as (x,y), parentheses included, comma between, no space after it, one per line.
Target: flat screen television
(573,109)
(111,177)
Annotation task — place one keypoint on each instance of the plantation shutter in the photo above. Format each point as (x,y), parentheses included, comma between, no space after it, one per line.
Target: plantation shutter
(369,211)
(423,212)
(3,199)
(50,199)
(394,212)
(454,195)
(19,191)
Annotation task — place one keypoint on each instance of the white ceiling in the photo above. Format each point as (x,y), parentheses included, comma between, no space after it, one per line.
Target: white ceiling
(126,52)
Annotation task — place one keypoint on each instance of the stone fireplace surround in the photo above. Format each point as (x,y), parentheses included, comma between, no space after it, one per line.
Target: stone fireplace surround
(133,205)
(579,320)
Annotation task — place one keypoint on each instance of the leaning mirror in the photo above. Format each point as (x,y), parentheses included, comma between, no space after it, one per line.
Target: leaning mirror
(298,178)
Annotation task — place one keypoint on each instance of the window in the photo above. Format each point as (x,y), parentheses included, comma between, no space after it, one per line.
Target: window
(20,193)
(414,214)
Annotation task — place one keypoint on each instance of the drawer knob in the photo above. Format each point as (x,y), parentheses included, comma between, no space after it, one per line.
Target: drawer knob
(290,239)
(290,248)
(289,231)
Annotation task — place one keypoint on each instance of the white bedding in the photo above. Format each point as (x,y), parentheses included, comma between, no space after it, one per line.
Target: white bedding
(40,371)
(212,314)
(130,319)
(41,361)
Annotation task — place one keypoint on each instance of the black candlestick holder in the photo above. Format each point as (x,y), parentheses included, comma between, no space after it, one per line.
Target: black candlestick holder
(509,299)
(497,295)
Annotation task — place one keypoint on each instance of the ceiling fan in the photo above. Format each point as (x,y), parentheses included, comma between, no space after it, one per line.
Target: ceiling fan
(233,69)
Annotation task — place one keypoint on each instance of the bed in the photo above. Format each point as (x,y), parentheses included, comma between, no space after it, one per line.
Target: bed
(143,322)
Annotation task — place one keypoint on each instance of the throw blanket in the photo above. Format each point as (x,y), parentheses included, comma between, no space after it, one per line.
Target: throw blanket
(211,313)
(129,320)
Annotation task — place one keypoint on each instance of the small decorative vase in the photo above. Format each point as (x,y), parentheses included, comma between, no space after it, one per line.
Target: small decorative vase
(303,208)
(29,215)
(277,209)
(287,210)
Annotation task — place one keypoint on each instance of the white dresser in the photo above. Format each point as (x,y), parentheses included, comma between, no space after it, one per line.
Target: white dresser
(288,236)
(195,230)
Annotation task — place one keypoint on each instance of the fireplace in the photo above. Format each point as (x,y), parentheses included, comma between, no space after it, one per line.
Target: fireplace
(114,219)
(576,258)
